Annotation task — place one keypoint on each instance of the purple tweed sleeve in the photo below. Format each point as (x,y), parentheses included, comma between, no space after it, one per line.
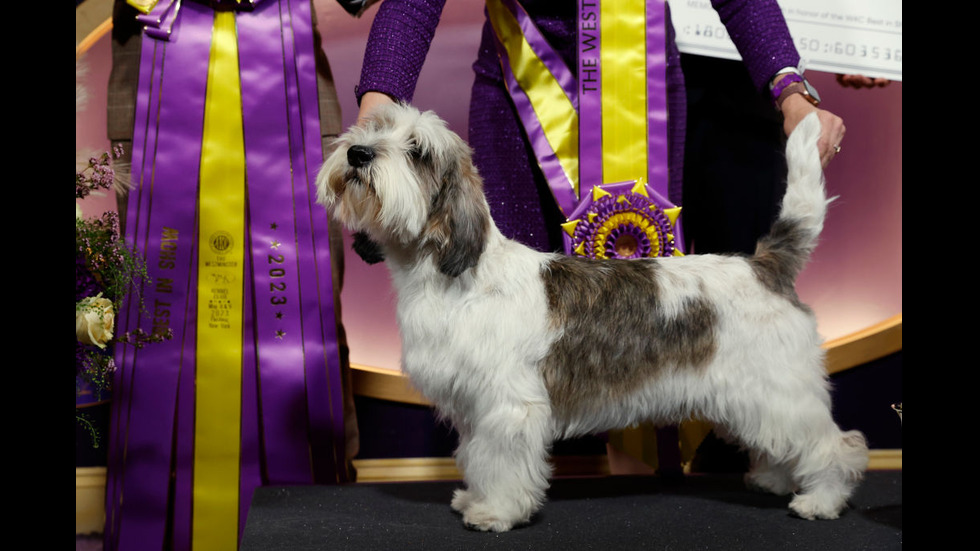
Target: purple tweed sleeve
(397,45)
(759,31)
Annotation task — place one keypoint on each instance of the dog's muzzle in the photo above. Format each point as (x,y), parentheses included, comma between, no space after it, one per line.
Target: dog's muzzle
(359,155)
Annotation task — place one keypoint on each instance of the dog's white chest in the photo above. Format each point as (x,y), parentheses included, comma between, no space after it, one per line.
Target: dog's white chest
(452,330)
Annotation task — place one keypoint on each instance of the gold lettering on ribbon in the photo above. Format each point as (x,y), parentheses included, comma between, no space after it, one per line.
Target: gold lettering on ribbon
(168,249)
(163,285)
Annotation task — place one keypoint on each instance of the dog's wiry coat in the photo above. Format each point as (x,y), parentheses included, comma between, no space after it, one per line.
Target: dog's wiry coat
(517,348)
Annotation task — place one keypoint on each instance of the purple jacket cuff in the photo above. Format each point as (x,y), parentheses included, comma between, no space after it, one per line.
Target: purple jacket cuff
(760,34)
(397,45)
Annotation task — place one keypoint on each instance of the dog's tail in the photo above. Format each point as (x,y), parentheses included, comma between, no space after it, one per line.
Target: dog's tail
(784,252)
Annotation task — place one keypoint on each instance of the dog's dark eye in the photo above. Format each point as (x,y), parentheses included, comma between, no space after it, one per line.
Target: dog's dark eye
(414,150)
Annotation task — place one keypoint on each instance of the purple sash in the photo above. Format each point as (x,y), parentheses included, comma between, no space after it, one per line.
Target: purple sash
(577,127)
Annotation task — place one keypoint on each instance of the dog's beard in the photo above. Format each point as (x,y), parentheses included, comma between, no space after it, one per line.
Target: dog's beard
(404,184)
(357,205)
(383,200)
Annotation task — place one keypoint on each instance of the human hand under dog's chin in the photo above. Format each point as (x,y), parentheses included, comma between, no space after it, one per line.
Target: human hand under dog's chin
(796,107)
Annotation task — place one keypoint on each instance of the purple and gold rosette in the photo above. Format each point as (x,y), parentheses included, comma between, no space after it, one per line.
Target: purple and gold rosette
(623,220)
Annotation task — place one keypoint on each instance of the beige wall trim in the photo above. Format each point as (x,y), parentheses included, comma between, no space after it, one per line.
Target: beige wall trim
(885,460)
(444,468)
(92,17)
(89,500)
(406,469)
(864,346)
(385,384)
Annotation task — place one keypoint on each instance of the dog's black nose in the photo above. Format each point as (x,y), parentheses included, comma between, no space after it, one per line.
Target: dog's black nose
(358,155)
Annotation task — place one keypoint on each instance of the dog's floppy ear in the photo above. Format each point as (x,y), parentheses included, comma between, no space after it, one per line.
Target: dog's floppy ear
(459,219)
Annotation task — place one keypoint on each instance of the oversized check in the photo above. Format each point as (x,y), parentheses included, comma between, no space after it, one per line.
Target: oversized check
(837,36)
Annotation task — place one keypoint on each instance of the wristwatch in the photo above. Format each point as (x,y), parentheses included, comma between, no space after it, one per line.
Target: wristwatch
(794,84)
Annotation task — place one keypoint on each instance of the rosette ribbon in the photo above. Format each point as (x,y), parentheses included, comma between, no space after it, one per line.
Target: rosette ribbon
(248,392)
(605,126)
(622,220)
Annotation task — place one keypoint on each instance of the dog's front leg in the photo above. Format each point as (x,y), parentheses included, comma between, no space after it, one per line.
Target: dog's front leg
(505,466)
(461,498)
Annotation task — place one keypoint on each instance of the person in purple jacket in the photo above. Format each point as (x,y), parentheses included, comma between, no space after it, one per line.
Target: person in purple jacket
(520,199)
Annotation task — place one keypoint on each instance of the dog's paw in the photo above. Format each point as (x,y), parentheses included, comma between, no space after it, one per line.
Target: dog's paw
(813,507)
(479,517)
(769,482)
(461,500)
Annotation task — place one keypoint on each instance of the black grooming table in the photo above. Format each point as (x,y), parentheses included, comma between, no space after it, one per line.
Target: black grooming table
(613,513)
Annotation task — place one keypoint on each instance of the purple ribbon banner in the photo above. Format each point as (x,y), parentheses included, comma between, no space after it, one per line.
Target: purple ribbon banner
(658,176)
(162,223)
(292,396)
(590,97)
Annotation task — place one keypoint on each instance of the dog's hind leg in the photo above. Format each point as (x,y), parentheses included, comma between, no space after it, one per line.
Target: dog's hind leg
(506,467)
(767,475)
(827,472)
(793,432)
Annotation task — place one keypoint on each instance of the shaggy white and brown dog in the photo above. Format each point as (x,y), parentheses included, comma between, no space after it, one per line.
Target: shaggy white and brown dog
(517,348)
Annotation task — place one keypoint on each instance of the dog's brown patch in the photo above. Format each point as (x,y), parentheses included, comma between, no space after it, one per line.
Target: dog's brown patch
(780,257)
(615,335)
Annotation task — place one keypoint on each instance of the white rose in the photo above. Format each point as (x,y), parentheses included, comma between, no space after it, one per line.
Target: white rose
(94,319)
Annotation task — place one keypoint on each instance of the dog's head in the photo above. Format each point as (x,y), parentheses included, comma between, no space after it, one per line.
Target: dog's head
(404,179)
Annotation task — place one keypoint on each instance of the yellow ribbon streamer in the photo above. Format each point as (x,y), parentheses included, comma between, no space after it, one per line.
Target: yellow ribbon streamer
(557,115)
(625,152)
(219,305)
(143,6)
(624,90)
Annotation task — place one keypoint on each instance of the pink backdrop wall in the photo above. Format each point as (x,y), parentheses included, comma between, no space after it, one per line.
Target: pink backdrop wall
(853,281)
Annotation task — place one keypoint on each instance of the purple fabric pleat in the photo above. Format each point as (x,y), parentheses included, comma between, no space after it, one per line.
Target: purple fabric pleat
(164,224)
(657,165)
(275,293)
(250,466)
(292,397)
(589,97)
(324,387)
(551,59)
(183,494)
(146,100)
(159,22)
(563,189)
